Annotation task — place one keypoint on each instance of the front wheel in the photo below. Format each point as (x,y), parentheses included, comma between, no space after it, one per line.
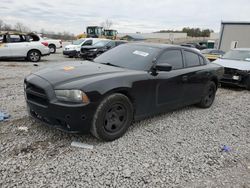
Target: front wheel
(34,56)
(208,95)
(112,118)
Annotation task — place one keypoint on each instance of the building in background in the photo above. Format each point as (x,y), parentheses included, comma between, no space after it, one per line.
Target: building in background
(234,35)
(146,36)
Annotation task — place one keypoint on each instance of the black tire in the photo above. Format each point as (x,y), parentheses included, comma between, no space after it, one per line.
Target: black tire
(52,48)
(112,118)
(34,55)
(248,83)
(208,95)
(78,55)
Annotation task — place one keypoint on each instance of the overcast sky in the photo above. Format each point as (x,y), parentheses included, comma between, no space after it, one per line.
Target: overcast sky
(127,15)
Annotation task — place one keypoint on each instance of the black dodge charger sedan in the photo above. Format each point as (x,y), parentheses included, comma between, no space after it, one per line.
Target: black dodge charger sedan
(129,82)
(91,52)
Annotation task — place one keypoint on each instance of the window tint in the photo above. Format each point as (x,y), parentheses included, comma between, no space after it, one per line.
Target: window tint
(88,42)
(111,44)
(172,57)
(16,38)
(191,59)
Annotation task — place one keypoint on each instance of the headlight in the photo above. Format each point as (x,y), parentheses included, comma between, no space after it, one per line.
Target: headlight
(93,50)
(76,96)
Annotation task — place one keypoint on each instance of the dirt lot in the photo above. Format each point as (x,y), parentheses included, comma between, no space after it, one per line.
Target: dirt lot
(176,149)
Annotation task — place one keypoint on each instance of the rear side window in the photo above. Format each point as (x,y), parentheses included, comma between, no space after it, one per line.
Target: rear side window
(16,38)
(172,57)
(87,43)
(191,59)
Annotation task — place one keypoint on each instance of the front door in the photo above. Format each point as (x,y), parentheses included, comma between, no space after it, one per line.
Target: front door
(168,86)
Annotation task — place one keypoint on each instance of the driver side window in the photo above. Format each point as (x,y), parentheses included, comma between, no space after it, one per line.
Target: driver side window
(172,57)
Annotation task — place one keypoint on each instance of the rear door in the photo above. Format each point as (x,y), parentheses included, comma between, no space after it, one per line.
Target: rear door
(195,78)
(168,85)
(18,45)
(4,47)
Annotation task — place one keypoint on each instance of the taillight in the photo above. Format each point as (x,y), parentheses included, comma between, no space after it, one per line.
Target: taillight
(45,43)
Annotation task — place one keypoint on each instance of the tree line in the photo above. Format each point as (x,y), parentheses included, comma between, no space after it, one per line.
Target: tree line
(191,32)
(20,27)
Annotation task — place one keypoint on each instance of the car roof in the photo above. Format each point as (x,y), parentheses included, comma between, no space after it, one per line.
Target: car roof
(15,33)
(163,46)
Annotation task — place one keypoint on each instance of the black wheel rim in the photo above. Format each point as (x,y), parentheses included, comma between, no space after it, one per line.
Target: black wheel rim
(210,96)
(115,118)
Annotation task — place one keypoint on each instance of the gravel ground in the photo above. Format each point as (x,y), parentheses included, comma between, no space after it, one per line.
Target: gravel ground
(176,149)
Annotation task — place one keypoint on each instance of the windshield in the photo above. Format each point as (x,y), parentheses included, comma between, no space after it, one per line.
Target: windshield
(78,42)
(101,43)
(242,55)
(131,56)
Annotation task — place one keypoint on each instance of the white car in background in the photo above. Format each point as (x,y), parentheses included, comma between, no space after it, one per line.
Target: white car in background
(20,45)
(236,65)
(74,49)
(53,44)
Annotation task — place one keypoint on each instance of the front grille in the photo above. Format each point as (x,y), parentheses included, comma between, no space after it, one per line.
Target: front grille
(230,71)
(84,50)
(36,94)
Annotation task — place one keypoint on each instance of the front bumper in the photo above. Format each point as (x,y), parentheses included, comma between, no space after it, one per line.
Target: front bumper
(70,52)
(235,77)
(43,105)
(88,55)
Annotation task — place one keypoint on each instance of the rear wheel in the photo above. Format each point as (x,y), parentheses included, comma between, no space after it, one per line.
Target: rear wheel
(112,118)
(208,95)
(34,56)
(52,48)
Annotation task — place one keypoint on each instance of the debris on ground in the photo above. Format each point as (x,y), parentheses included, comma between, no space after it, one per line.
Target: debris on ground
(81,145)
(225,148)
(25,129)
(4,116)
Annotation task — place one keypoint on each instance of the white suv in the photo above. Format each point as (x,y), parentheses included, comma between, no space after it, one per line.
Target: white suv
(20,45)
(73,50)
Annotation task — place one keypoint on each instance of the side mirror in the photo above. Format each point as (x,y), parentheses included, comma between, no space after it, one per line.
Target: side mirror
(163,67)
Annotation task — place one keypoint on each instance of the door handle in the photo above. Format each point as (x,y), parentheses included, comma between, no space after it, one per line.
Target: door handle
(184,78)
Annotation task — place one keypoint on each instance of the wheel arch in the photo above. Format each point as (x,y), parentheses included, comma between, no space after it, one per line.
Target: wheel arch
(34,49)
(122,90)
(215,80)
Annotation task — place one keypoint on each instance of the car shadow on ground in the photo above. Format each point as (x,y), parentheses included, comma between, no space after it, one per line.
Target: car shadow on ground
(232,87)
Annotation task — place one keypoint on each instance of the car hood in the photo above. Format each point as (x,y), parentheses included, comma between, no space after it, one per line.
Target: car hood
(72,46)
(234,64)
(68,72)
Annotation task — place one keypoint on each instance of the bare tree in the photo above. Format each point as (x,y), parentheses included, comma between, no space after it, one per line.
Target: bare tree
(1,25)
(21,27)
(107,24)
